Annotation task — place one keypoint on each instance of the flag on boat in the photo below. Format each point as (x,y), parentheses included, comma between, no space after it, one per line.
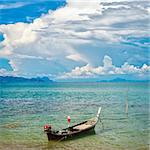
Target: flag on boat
(68,119)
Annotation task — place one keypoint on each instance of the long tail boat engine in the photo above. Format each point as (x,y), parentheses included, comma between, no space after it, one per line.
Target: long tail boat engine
(47,128)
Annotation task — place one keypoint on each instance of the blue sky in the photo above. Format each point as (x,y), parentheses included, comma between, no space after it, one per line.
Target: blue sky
(75,40)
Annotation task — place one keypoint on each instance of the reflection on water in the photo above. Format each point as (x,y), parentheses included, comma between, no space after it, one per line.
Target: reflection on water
(25,109)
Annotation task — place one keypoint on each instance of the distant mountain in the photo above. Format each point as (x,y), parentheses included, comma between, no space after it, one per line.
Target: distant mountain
(7,79)
(123,80)
(119,80)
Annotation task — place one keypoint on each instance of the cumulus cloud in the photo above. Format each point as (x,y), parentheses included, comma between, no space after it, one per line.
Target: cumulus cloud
(107,69)
(57,35)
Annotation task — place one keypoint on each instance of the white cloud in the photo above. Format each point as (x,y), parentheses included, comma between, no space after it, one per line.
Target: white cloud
(58,34)
(107,61)
(107,69)
(13,5)
(111,1)
(85,7)
(4,72)
(76,57)
(13,65)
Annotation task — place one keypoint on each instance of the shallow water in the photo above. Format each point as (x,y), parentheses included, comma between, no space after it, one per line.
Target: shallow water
(25,108)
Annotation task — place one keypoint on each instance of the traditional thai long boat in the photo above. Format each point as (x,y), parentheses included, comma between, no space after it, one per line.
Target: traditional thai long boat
(72,131)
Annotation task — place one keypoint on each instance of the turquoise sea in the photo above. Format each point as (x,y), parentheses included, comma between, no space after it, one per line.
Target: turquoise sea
(26,108)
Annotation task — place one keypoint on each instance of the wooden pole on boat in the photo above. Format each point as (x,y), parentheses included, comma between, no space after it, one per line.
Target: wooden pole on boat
(98,113)
(98,117)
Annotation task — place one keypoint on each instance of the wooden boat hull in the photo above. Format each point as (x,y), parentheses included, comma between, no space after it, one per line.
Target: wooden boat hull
(52,136)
